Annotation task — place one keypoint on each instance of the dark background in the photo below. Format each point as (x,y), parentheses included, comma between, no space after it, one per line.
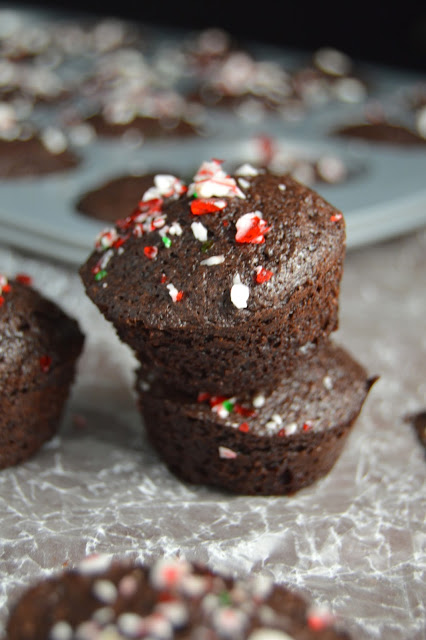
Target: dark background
(392,33)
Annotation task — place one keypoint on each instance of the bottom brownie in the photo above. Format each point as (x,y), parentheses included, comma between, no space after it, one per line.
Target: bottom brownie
(106,600)
(264,445)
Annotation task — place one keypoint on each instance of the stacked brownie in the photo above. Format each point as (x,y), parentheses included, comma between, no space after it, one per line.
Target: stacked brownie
(227,291)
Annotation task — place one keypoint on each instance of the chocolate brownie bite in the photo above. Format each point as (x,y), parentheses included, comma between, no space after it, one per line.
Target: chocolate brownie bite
(39,347)
(145,126)
(382,133)
(259,444)
(36,155)
(112,200)
(223,284)
(170,599)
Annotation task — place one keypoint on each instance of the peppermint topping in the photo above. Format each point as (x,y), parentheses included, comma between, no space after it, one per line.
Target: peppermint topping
(199,231)
(200,206)
(269,634)
(211,180)
(263,275)
(105,591)
(106,239)
(54,140)
(247,170)
(226,453)
(169,573)
(165,186)
(239,293)
(175,294)
(213,260)
(258,401)
(251,228)
(4,288)
(150,252)
(93,564)
(61,631)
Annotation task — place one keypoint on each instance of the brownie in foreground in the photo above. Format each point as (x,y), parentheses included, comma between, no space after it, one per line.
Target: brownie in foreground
(259,444)
(39,348)
(220,284)
(102,599)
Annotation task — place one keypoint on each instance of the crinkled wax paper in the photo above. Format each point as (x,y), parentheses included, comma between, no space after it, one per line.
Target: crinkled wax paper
(354,542)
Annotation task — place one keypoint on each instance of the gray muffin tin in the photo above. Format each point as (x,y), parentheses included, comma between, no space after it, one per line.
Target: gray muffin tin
(384,196)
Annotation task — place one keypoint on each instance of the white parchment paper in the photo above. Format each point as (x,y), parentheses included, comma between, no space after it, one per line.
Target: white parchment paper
(354,542)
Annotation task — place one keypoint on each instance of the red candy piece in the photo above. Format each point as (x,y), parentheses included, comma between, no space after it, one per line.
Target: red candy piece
(243,411)
(203,396)
(244,427)
(251,229)
(150,252)
(336,217)
(263,275)
(208,205)
(23,278)
(45,363)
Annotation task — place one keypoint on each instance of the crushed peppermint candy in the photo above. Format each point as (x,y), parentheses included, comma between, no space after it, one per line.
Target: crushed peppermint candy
(258,401)
(95,563)
(269,634)
(199,231)
(211,180)
(239,293)
(247,170)
(251,228)
(106,239)
(169,572)
(105,591)
(327,382)
(213,260)
(61,631)
(245,184)
(45,363)
(4,288)
(165,186)
(150,252)
(54,140)
(263,275)
(227,454)
(175,229)
(201,206)
(320,618)
(175,294)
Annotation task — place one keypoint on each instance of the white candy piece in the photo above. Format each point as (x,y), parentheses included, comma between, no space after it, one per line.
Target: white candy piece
(199,231)
(61,631)
(213,260)
(269,634)
(54,140)
(239,293)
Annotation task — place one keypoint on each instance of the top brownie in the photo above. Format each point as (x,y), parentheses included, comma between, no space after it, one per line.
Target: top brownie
(253,260)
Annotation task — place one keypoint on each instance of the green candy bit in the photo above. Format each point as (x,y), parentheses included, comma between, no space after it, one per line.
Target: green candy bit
(100,275)
(229,406)
(166,241)
(206,246)
(225,598)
